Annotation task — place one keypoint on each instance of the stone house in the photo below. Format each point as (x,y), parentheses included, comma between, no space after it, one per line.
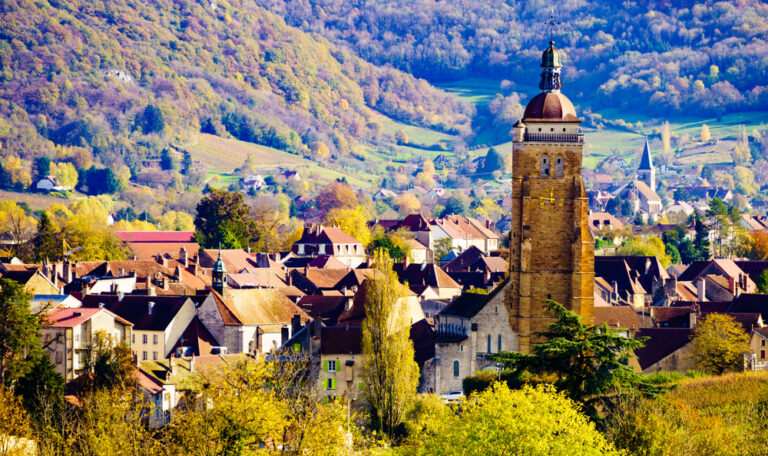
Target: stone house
(466,332)
(320,240)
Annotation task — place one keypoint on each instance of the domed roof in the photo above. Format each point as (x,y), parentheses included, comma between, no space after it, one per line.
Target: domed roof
(550,107)
(551,57)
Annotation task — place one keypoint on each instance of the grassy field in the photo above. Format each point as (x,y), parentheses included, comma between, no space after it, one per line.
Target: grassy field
(35,201)
(222,156)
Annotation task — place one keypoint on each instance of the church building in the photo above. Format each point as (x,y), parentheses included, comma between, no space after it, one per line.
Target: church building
(551,246)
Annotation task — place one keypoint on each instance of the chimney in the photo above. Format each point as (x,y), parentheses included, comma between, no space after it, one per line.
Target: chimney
(192,363)
(647,265)
(349,303)
(177,273)
(121,272)
(295,324)
(701,289)
(288,277)
(692,319)
(171,364)
(732,286)
(405,262)
(183,256)
(150,307)
(487,224)
(164,282)
(66,273)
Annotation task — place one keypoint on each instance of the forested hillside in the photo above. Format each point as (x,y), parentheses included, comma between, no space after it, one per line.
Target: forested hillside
(115,82)
(647,56)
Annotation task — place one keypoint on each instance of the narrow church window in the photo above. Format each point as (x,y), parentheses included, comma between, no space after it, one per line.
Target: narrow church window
(456,368)
(489,344)
(499,343)
(559,166)
(544,166)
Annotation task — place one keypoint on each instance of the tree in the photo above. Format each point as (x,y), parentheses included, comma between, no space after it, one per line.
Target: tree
(706,136)
(760,245)
(167,160)
(223,219)
(65,174)
(646,246)
(588,363)
(681,194)
(352,221)
(17,225)
(97,181)
(42,390)
(493,161)
(454,206)
(47,241)
(42,167)
(533,421)
(762,282)
(666,143)
(20,346)
(407,203)
(320,150)
(336,195)
(402,138)
(151,120)
(15,423)
(390,374)
(719,344)
(701,241)
(442,247)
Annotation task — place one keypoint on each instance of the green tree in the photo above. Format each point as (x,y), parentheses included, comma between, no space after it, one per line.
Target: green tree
(186,162)
(442,247)
(701,241)
(532,421)
(493,161)
(588,363)
(719,344)
(20,346)
(454,206)
(42,167)
(762,282)
(390,374)
(167,160)
(223,219)
(47,241)
(42,390)
(151,120)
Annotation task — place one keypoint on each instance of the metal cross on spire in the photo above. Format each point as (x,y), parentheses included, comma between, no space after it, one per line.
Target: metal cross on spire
(552,23)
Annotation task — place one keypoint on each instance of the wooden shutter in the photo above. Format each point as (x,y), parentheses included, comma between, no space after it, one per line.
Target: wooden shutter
(325,365)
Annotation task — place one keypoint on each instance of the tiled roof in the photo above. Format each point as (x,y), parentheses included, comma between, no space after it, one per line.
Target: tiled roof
(750,303)
(198,337)
(135,308)
(464,260)
(467,305)
(150,250)
(672,317)
(156,236)
(326,235)
(259,306)
(327,262)
(623,317)
(646,191)
(71,317)
(326,308)
(425,274)
(662,342)
(341,340)
(325,278)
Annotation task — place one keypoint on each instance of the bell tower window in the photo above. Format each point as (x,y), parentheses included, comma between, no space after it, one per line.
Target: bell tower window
(544,166)
(559,166)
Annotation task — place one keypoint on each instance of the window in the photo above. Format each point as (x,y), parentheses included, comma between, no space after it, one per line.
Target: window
(456,368)
(488,343)
(154,356)
(144,356)
(331,366)
(143,338)
(544,166)
(154,339)
(461,348)
(133,338)
(762,354)
(330,383)
(498,348)
(762,343)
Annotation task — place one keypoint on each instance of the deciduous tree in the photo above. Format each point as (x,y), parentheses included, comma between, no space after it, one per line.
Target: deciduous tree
(390,374)
(20,346)
(352,221)
(719,344)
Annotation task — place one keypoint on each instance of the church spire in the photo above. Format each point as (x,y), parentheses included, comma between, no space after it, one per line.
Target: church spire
(645,162)
(550,73)
(645,171)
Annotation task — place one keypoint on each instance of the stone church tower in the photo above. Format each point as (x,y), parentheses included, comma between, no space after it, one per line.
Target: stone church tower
(551,248)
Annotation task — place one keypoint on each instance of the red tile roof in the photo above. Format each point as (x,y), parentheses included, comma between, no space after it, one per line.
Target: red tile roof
(156,236)
(71,317)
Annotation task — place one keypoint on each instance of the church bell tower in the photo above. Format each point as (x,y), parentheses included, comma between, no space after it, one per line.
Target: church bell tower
(551,248)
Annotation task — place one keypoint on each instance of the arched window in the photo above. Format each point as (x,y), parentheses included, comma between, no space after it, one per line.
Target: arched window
(456,368)
(544,166)
(499,344)
(559,166)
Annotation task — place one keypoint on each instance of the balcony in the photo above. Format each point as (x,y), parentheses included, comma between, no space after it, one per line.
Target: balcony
(555,137)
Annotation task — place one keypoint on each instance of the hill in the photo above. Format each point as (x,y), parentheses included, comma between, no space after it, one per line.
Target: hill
(118,82)
(659,57)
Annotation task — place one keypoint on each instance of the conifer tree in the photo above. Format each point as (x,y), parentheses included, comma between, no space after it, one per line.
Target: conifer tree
(47,241)
(390,374)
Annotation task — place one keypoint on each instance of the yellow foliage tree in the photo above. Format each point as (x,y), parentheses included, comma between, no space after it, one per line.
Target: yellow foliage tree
(16,224)
(320,150)
(176,221)
(352,221)
(65,173)
(706,136)
(407,203)
(719,344)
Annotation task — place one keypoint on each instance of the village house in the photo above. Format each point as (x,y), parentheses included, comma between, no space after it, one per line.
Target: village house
(465,232)
(158,321)
(69,332)
(466,332)
(320,240)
